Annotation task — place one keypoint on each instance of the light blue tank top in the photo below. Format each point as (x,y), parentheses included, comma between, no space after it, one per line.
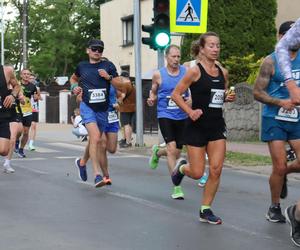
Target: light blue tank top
(277,89)
(166,108)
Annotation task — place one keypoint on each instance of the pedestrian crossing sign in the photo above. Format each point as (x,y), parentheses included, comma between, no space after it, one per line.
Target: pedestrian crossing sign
(188,16)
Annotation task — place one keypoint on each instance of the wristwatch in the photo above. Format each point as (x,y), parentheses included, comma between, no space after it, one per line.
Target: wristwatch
(110,78)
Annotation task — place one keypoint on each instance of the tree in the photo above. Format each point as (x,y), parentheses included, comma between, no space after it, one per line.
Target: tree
(57,34)
(245,27)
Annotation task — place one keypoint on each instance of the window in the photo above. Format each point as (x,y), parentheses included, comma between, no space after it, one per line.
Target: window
(127,23)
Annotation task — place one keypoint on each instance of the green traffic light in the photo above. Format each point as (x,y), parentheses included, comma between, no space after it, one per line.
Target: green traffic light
(162,39)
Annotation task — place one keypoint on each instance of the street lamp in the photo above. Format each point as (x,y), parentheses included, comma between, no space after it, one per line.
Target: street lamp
(3,4)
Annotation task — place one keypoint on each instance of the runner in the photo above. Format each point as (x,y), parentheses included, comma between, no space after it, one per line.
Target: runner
(170,117)
(95,76)
(290,42)
(279,124)
(29,91)
(35,113)
(7,98)
(109,141)
(205,129)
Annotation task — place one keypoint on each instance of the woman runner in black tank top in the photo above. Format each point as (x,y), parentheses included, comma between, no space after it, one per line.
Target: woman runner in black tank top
(205,130)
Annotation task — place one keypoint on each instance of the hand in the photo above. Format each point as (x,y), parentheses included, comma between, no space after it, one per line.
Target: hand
(150,101)
(8,101)
(294,91)
(230,96)
(195,114)
(103,74)
(21,98)
(287,104)
(77,90)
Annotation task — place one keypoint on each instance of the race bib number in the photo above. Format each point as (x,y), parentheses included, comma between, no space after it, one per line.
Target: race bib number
(287,115)
(97,95)
(216,98)
(113,116)
(171,104)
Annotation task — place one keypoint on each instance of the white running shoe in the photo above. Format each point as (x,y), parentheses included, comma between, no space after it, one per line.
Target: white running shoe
(8,169)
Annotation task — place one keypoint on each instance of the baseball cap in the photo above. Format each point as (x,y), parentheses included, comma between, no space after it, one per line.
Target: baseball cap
(95,43)
(284,27)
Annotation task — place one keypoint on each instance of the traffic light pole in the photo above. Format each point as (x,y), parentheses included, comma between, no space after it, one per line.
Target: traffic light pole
(160,64)
(138,81)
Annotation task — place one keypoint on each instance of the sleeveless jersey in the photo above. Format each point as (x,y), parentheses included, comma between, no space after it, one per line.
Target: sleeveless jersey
(28,91)
(4,92)
(208,95)
(166,107)
(277,89)
(95,88)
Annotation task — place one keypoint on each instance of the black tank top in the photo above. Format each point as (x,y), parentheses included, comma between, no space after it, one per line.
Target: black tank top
(208,94)
(4,92)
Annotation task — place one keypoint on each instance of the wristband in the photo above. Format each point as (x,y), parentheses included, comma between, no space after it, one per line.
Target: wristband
(288,79)
(110,78)
(73,86)
(13,96)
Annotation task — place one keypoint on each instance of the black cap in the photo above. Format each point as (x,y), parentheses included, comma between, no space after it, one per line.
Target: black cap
(125,73)
(95,43)
(284,27)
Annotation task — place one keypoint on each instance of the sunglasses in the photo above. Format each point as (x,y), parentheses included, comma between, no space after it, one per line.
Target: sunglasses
(98,49)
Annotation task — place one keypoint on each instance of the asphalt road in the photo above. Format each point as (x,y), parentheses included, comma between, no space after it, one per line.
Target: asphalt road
(45,206)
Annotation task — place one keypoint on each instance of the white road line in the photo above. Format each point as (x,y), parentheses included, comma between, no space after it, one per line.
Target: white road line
(67,145)
(30,159)
(33,170)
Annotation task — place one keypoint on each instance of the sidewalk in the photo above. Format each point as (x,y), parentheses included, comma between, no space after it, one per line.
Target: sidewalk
(63,132)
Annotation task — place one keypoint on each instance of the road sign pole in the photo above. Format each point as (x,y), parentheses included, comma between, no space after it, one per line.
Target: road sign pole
(160,64)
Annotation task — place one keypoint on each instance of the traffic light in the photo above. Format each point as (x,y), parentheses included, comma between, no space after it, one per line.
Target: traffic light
(161,23)
(148,40)
(159,30)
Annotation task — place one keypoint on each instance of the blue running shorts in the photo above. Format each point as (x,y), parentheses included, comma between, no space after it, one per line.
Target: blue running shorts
(273,129)
(88,115)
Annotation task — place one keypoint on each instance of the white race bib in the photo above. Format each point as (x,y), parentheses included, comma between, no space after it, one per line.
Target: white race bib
(171,104)
(216,98)
(287,115)
(113,116)
(97,95)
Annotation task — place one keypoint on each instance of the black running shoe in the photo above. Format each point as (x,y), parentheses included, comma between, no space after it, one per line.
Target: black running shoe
(176,175)
(274,215)
(208,216)
(284,190)
(295,225)
(290,155)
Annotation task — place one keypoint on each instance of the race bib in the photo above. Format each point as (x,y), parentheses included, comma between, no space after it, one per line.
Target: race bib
(216,98)
(287,115)
(171,104)
(113,116)
(97,95)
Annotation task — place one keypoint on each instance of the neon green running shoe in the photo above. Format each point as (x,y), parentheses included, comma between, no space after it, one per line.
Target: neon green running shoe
(153,161)
(177,193)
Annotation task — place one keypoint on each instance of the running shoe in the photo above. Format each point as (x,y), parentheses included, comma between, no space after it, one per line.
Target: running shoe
(290,155)
(84,138)
(208,216)
(99,182)
(21,153)
(284,190)
(294,225)
(202,181)
(126,145)
(8,169)
(122,141)
(274,215)
(154,159)
(81,170)
(177,193)
(176,175)
(31,147)
(107,180)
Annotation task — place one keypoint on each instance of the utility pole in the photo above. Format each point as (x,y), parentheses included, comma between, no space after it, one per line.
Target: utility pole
(138,81)
(25,27)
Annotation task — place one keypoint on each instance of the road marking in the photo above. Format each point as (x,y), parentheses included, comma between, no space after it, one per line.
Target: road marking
(34,170)
(29,159)
(45,150)
(67,145)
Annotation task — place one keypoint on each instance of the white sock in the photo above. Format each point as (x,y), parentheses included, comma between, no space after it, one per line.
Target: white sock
(6,162)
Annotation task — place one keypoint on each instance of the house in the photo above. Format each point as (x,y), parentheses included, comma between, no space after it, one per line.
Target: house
(116,19)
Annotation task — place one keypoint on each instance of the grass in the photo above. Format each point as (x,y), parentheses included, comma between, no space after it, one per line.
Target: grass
(247,159)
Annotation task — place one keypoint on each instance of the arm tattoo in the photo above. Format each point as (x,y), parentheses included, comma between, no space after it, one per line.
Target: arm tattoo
(262,82)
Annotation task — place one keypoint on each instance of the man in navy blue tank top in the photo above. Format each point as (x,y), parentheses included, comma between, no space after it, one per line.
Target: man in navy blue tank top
(170,117)
(280,123)
(92,79)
